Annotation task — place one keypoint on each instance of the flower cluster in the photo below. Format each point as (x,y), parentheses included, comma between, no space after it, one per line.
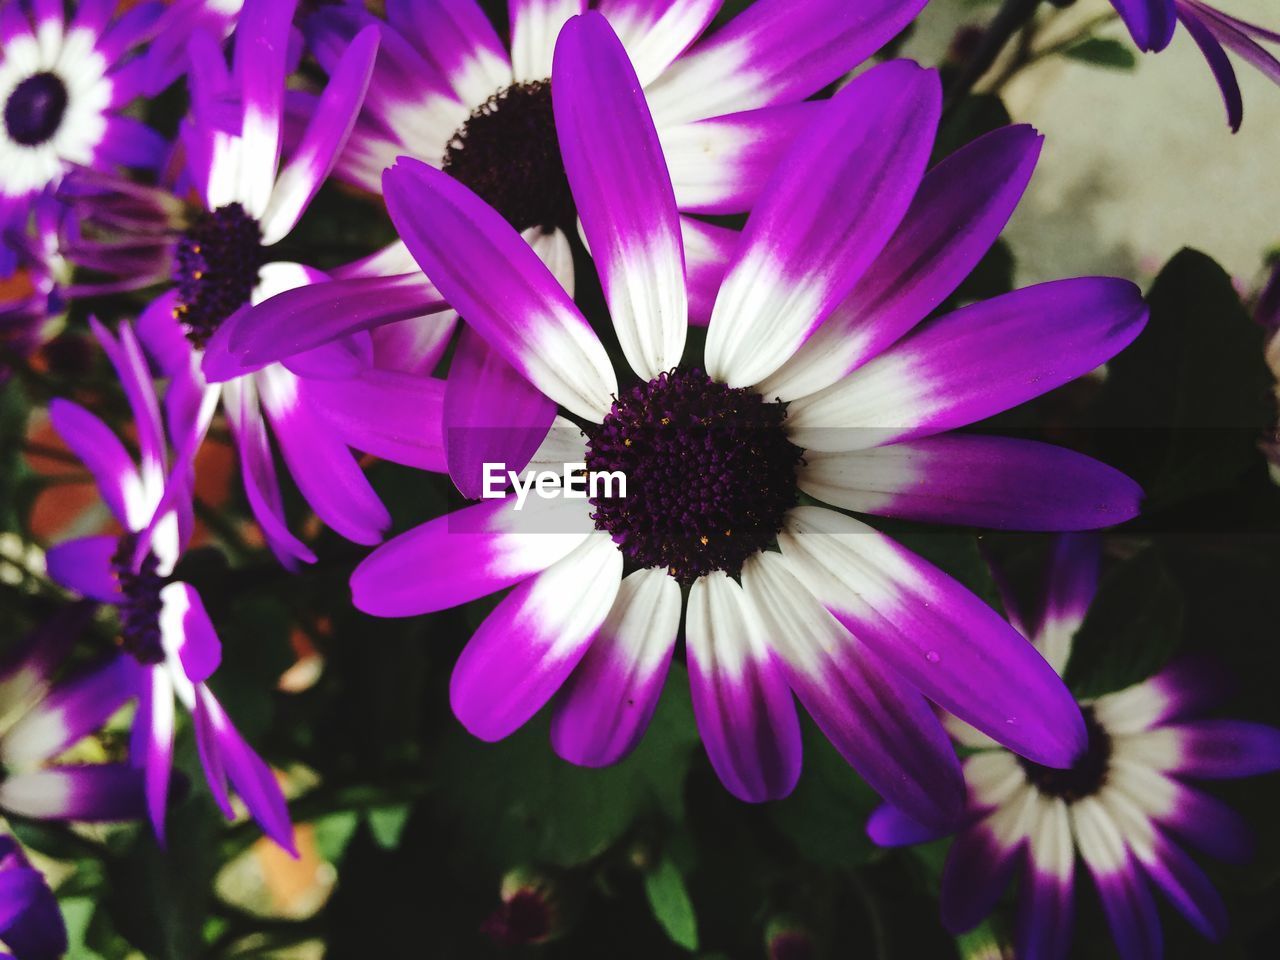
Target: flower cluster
(724,258)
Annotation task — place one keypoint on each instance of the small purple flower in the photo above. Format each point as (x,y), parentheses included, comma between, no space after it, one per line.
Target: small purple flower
(29,316)
(31,926)
(1124,806)
(171,644)
(217,258)
(820,378)
(63,89)
(41,716)
(1151,23)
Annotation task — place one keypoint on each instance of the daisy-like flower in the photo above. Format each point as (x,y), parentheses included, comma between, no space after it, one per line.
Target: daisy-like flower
(1123,806)
(848,248)
(1151,23)
(446,91)
(220,261)
(171,644)
(63,87)
(31,926)
(41,716)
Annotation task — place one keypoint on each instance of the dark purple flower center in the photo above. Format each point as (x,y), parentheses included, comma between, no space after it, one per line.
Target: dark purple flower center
(216,268)
(525,918)
(140,609)
(710,474)
(508,154)
(1086,777)
(34,110)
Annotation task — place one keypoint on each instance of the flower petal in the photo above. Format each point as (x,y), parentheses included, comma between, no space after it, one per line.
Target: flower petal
(708,251)
(321,464)
(535,25)
(261,49)
(393,415)
(248,773)
(308,316)
(890,827)
(527,647)
(258,471)
(1126,898)
(491,414)
(603,708)
(997,482)
(1047,907)
(721,165)
(72,710)
(937,634)
(85,566)
(619,179)
(1150,22)
(188,632)
(656,32)
(978,361)
(467,554)
(326,134)
(1225,749)
(962,205)
(95,792)
(1219,63)
(837,196)
(776,51)
(102,452)
(458,39)
(881,726)
(488,273)
(741,703)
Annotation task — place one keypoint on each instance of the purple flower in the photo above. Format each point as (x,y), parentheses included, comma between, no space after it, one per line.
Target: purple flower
(31,926)
(29,314)
(40,717)
(171,644)
(166,56)
(446,91)
(1124,806)
(220,261)
(63,87)
(1151,24)
(820,378)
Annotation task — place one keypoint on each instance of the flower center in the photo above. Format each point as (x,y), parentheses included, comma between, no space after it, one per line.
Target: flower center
(216,268)
(1086,777)
(508,154)
(34,109)
(710,474)
(140,609)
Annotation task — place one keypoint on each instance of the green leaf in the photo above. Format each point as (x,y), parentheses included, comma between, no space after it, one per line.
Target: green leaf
(671,904)
(1189,399)
(516,801)
(1103,52)
(334,832)
(387,824)
(823,816)
(1132,628)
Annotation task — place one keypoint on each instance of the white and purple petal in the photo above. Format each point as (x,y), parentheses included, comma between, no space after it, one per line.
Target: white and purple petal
(881,725)
(616,170)
(604,707)
(489,274)
(529,645)
(962,205)
(978,361)
(467,554)
(837,196)
(741,702)
(940,637)
(997,482)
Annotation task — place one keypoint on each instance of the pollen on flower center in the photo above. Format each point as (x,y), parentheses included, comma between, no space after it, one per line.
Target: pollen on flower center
(1086,777)
(710,474)
(508,154)
(140,609)
(33,113)
(216,268)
